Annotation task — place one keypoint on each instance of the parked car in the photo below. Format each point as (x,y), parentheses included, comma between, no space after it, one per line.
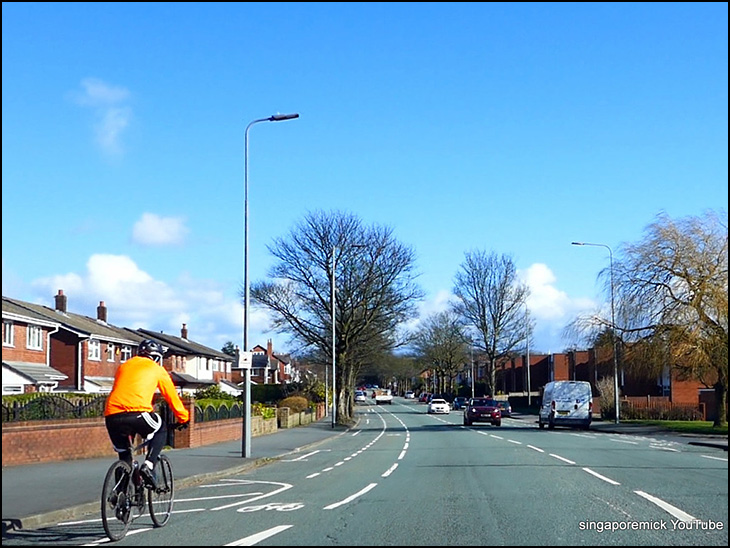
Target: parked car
(505,408)
(360,397)
(423,398)
(482,410)
(459,403)
(409,395)
(438,405)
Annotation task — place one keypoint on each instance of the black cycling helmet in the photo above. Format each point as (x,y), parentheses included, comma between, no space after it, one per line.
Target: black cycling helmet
(150,348)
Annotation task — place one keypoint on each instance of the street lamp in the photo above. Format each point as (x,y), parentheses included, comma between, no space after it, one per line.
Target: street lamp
(246,439)
(613,330)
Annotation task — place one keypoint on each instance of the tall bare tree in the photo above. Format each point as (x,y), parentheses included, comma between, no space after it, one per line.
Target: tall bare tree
(375,293)
(672,289)
(439,346)
(491,299)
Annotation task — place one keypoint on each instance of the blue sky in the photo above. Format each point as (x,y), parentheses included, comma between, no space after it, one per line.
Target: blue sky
(508,127)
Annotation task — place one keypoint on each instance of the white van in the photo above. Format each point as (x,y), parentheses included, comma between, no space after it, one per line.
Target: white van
(566,403)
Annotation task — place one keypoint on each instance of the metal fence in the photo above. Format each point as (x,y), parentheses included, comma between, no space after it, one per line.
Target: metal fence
(48,407)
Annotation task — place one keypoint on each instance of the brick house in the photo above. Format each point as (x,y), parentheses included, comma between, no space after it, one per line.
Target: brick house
(26,336)
(83,353)
(192,364)
(268,367)
(592,365)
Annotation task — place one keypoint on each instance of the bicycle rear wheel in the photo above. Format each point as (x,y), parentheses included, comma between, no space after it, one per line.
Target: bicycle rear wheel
(117,496)
(161,499)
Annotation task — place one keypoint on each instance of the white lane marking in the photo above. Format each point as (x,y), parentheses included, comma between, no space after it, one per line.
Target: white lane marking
(536,448)
(284,487)
(194,499)
(561,458)
(715,458)
(350,498)
(673,510)
(515,442)
(599,476)
(302,457)
(389,471)
(258,537)
(625,441)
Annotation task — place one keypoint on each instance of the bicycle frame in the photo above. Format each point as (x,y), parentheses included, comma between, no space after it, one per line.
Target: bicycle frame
(123,494)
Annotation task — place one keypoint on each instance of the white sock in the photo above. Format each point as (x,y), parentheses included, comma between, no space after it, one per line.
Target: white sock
(149,464)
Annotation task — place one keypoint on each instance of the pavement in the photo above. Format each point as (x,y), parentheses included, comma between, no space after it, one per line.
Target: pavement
(37,495)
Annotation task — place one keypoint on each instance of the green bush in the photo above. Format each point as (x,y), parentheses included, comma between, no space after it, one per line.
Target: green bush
(296,403)
(263,411)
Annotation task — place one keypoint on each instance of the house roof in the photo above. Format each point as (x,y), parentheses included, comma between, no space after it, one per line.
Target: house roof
(13,310)
(231,384)
(186,346)
(37,373)
(101,382)
(81,325)
(184,380)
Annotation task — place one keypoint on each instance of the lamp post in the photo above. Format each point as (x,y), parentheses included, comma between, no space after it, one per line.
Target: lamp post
(527,351)
(471,354)
(613,329)
(246,438)
(334,345)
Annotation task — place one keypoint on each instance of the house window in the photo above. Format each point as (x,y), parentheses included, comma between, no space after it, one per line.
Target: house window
(12,389)
(95,350)
(109,352)
(34,339)
(126,353)
(8,333)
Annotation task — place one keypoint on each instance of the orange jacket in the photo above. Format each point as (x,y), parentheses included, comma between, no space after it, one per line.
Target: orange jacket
(135,385)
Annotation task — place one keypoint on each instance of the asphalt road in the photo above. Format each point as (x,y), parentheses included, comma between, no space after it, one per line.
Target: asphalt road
(402,477)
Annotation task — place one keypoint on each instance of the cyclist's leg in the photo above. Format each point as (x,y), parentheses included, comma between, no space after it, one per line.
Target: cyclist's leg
(120,427)
(156,433)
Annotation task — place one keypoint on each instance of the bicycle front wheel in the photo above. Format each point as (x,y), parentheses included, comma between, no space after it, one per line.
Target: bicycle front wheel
(161,498)
(117,496)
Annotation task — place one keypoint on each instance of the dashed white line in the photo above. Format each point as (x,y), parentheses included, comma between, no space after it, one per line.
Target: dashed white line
(673,510)
(350,498)
(599,476)
(258,537)
(561,458)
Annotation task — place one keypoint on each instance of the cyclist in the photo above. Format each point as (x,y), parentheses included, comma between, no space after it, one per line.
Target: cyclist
(129,410)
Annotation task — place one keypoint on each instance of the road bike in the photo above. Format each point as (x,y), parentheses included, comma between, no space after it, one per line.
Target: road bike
(125,495)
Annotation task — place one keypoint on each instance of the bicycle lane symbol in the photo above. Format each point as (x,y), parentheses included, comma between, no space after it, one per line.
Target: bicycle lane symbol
(260,495)
(278,506)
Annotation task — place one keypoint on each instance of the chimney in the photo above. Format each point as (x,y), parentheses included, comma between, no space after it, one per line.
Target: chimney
(61,301)
(269,349)
(101,312)
(184,331)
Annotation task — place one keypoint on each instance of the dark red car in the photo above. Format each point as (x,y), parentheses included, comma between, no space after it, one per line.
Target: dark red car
(482,410)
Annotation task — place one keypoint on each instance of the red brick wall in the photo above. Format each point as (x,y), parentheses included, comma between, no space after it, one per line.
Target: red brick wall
(561,367)
(19,352)
(685,391)
(47,441)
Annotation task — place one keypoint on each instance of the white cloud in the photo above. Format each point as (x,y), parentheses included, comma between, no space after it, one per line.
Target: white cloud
(135,299)
(98,93)
(112,116)
(152,229)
